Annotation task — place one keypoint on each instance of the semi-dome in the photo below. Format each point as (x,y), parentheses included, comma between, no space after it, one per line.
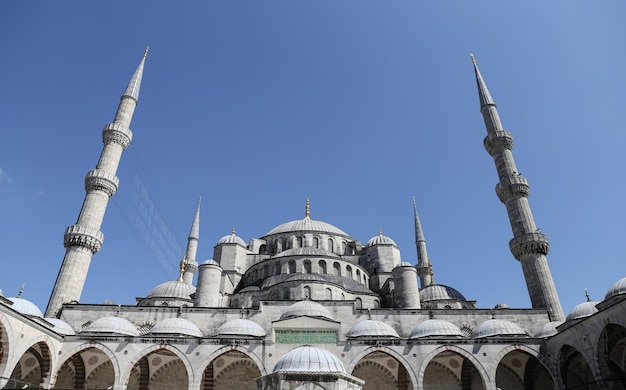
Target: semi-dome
(176,326)
(232,238)
(379,239)
(308,359)
(582,310)
(306,251)
(435,292)
(497,327)
(306,225)
(618,288)
(25,306)
(372,328)
(549,329)
(112,325)
(60,326)
(306,308)
(435,328)
(172,289)
(241,327)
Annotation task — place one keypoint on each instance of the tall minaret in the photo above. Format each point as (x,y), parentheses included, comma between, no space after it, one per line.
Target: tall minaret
(424,268)
(84,238)
(528,245)
(192,247)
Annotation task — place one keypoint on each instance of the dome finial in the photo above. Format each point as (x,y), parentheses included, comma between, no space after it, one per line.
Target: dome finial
(19,294)
(145,53)
(233,232)
(183,262)
(307,213)
(380,231)
(587,295)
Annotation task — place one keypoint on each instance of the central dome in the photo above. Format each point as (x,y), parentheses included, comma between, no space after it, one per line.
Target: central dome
(308,225)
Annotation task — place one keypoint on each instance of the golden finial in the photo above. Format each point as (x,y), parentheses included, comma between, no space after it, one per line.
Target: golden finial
(430,272)
(473,58)
(307,213)
(183,262)
(145,53)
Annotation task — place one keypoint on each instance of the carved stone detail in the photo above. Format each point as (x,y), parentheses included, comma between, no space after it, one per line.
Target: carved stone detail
(498,141)
(117,133)
(77,235)
(516,185)
(529,244)
(101,180)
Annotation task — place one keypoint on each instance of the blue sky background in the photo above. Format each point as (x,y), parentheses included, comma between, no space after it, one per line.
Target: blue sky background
(360,105)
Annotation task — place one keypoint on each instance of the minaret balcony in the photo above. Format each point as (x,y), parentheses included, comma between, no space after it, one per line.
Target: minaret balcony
(117,133)
(85,237)
(498,141)
(515,185)
(529,244)
(99,180)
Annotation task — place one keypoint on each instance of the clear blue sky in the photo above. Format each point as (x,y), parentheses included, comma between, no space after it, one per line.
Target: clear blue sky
(360,105)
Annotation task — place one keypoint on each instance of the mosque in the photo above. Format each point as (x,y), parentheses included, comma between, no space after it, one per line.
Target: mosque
(306,306)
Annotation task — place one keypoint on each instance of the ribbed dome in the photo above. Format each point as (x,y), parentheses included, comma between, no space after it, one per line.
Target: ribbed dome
(307,359)
(618,288)
(210,262)
(497,327)
(241,327)
(372,328)
(435,292)
(501,305)
(306,225)
(172,289)
(232,238)
(307,251)
(26,307)
(404,264)
(306,308)
(434,328)
(549,329)
(112,325)
(584,309)
(380,240)
(60,326)
(176,326)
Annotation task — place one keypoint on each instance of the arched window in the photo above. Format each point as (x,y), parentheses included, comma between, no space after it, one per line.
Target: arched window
(349,271)
(276,268)
(358,275)
(316,242)
(299,241)
(292,267)
(307,266)
(306,292)
(328,294)
(285,245)
(331,245)
(336,269)
(323,269)
(278,246)
(344,248)
(358,303)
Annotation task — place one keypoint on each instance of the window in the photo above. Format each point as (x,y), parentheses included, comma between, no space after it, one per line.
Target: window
(307,266)
(323,267)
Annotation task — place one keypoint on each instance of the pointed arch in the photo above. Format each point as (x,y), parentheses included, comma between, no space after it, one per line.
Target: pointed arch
(173,362)
(467,368)
(612,354)
(33,366)
(521,367)
(210,371)
(575,370)
(404,375)
(79,364)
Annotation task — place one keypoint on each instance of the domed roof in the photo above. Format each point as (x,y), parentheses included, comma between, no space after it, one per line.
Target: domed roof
(584,309)
(26,307)
(380,240)
(618,288)
(306,308)
(241,327)
(232,238)
(210,262)
(496,327)
(549,329)
(435,292)
(60,326)
(172,289)
(112,325)
(372,328)
(176,326)
(308,359)
(433,327)
(306,225)
(404,264)
(341,281)
(307,251)
(501,305)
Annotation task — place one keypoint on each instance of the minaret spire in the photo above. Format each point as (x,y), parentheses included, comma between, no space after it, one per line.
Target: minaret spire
(191,265)
(84,239)
(424,268)
(528,245)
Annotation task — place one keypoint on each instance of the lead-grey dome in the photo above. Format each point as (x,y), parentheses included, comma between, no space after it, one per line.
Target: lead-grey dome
(172,289)
(618,288)
(306,308)
(112,325)
(380,240)
(435,328)
(241,327)
(232,238)
(306,251)
(435,292)
(24,306)
(549,329)
(497,327)
(582,310)
(60,326)
(308,359)
(372,328)
(210,262)
(306,225)
(175,325)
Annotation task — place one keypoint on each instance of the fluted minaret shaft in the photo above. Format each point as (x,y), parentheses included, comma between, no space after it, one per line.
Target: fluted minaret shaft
(192,247)
(84,239)
(528,245)
(423,262)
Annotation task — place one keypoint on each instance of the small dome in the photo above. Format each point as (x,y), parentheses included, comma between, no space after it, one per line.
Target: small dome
(380,240)
(26,307)
(232,238)
(435,292)
(211,262)
(404,264)
(549,329)
(372,328)
(306,308)
(60,326)
(433,328)
(176,326)
(497,327)
(582,310)
(306,225)
(112,325)
(308,359)
(241,327)
(499,306)
(618,288)
(173,289)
